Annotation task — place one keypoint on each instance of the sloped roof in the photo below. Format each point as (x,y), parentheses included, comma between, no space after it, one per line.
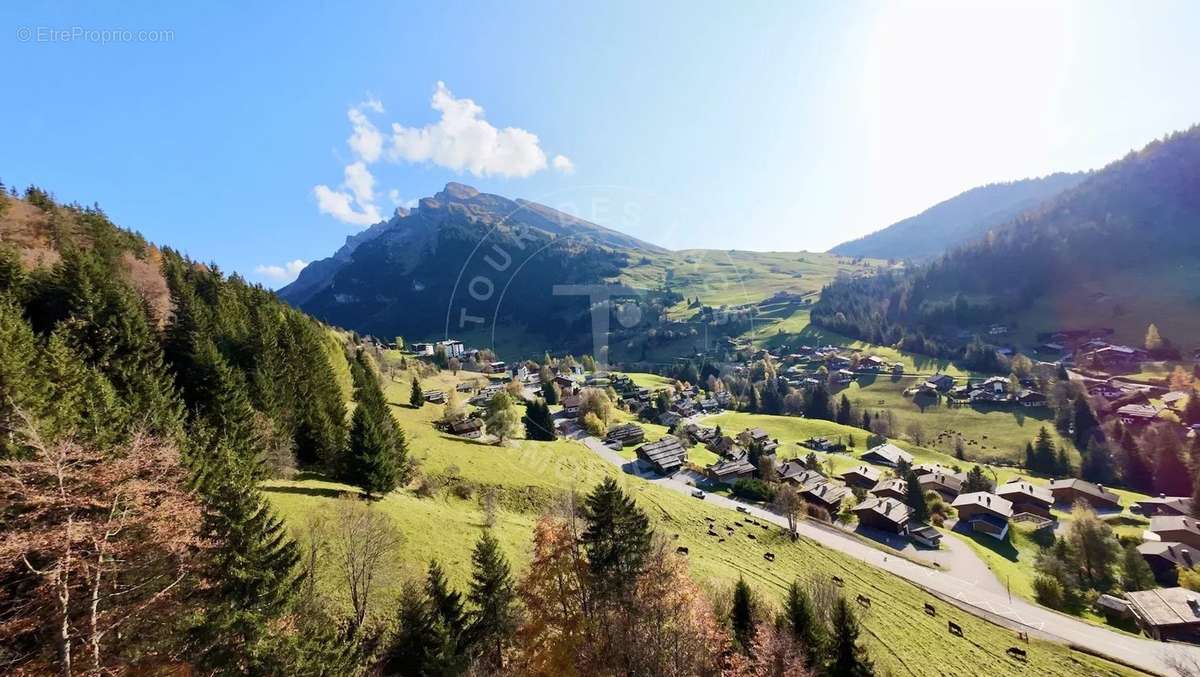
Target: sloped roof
(1023,488)
(983,499)
(887,508)
(889,453)
(1166,606)
(1085,487)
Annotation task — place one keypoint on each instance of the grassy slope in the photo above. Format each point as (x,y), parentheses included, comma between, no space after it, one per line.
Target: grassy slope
(903,639)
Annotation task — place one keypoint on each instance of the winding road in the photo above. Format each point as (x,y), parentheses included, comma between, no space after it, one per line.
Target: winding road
(968,583)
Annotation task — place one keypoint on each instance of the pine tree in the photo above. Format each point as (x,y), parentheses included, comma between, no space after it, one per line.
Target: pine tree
(617,539)
(1154,340)
(844,411)
(494,598)
(1085,423)
(446,605)
(550,392)
(377,457)
(539,422)
(416,398)
(848,658)
(1043,453)
(802,622)
(414,650)
(1097,464)
(22,392)
(741,616)
(915,497)
(1062,463)
(1030,459)
(253,565)
(754,405)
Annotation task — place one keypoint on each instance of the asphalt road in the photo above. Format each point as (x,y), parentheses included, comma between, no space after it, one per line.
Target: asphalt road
(971,584)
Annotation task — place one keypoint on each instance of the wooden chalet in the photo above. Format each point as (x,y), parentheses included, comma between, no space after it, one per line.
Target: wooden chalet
(861,477)
(984,513)
(1175,529)
(826,495)
(1068,492)
(1167,613)
(1026,497)
(666,455)
(894,488)
(627,434)
(887,454)
(731,470)
(885,514)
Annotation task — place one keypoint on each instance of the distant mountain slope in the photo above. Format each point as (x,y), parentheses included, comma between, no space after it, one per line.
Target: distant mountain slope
(959,220)
(469,264)
(412,229)
(1118,251)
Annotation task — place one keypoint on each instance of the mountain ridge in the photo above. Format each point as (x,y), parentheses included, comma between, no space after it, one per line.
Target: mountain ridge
(960,219)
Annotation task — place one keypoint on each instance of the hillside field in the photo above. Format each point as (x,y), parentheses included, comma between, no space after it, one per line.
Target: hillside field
(529,478)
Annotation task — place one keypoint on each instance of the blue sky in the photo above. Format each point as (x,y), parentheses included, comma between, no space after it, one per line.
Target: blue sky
(764,125)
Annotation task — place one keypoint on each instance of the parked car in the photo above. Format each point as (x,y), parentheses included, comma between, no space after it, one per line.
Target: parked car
(742,508)
(698,493)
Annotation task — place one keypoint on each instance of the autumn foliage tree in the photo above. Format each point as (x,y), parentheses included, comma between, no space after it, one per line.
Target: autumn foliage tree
(97,554)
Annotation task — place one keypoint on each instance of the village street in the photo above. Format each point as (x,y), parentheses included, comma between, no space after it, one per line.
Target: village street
(966,580)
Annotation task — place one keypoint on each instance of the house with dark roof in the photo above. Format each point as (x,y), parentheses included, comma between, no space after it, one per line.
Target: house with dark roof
(1137,414)
(1069,491)
(731,470)
(1026,497)
(723,445)
(1167,613)
(940,383)
(984,513)
(467,427)
(1163,559)
(948,486)
(887,454)
(571,405)
(757,438)
(861,477)
(627,434)
(885,514)
(796,473)
(665,456)
(826,495)
(894,488)
(435,396)
(1163,505)
(1031,398)
(1174,529)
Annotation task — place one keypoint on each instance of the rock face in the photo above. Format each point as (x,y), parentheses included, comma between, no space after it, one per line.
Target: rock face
(463,253)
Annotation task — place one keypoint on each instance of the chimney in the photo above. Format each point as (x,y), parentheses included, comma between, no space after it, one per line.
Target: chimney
(1186,556)
(1100,487)
(1162,495)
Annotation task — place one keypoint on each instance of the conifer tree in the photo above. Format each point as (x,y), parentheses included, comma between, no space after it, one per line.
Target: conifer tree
(848,658)
(22,393)
(915,497)
(253,564)
(414,650)
(494,598)
(416,398)
(377,457)
(539,422)
(451,618)
(617,539)
(844,411)
(741,616)
(802,622)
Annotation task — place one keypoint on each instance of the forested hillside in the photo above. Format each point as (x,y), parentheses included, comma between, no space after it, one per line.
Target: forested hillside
(1128,232)
(960,220)
(143,396)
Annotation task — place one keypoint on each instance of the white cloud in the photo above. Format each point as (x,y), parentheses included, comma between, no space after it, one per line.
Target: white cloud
(285,273)
(394,196)
(361,183)
(359,191)
(367,140)
(463,141)
(372,103)
(563,164)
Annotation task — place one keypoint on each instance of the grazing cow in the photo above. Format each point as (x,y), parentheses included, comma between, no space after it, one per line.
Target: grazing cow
(929,609)
(864,601)
(681,550)
(837,580)
(1018,654)
(955,629)
(769,556)
(752,537)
